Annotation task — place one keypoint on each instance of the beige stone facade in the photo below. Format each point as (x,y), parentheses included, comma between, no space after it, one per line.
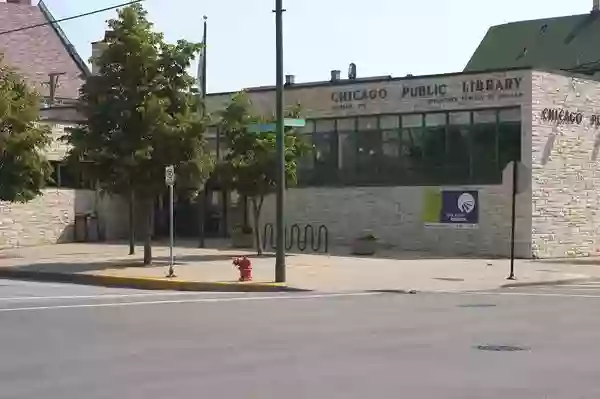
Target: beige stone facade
(50,217)
(395,213)
(565,173)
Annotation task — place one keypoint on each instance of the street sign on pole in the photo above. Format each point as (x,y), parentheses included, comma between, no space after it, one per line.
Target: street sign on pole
(170,181)
(271,127)
(169,175)
(521,179)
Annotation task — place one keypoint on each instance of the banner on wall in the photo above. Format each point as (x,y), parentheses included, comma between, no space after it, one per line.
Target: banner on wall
(451,208)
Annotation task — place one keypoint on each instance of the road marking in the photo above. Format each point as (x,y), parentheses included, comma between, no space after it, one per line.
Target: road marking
(183,301)
(110,296)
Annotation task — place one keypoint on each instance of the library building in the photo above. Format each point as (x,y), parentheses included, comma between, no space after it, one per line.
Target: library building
(424,163)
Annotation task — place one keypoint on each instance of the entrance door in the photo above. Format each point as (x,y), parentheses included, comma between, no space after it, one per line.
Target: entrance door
(186,212)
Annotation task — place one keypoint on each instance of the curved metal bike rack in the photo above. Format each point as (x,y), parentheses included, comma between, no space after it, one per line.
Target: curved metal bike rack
(297,237)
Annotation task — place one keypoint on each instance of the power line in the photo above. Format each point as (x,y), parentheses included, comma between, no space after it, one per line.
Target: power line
(6,32)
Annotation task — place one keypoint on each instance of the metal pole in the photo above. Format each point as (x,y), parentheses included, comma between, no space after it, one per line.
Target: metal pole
(171,223)
(280,222)
(513,221)
(202,195)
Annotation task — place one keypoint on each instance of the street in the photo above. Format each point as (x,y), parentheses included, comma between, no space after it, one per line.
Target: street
(65,341)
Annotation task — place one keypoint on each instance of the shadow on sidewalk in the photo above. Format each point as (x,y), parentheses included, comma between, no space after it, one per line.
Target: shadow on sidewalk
(123,263)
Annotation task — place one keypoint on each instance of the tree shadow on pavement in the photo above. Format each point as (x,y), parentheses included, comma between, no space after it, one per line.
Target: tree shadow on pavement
(123,263)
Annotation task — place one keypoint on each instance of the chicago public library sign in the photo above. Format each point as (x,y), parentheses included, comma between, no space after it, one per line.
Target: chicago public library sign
(565,116)
(482,89)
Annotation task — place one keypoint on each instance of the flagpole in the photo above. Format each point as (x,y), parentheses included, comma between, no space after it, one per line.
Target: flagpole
(202,78)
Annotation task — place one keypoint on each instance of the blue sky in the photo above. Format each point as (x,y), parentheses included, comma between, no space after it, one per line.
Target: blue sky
(381,36)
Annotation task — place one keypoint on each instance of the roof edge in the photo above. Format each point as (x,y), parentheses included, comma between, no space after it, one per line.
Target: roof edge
(83,67)
(346,82)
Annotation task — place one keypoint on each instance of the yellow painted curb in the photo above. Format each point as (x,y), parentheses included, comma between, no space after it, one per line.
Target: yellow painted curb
(145,283)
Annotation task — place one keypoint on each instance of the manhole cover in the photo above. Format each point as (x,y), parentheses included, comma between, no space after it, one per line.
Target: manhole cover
(477,305)
(449,279)
(501,348)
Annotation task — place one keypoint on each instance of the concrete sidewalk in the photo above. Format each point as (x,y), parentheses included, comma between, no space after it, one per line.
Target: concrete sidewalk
(211,269)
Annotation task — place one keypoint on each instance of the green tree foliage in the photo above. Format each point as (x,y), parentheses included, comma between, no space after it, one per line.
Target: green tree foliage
(141,116)
(24,169)
(250,165)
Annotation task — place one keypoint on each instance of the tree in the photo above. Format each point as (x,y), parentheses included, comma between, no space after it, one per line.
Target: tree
(24,170)
(250,165)
(141,116)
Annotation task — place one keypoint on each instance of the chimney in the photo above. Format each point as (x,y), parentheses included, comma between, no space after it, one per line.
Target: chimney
(596,6)
(290,79)
(335,75)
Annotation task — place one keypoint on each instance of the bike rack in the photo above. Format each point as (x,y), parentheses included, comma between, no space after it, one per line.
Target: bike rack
(315,239)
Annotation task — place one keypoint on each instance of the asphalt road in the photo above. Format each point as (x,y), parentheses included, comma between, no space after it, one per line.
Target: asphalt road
(73,342)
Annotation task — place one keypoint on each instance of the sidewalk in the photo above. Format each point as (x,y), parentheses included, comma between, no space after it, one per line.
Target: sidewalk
(211,269)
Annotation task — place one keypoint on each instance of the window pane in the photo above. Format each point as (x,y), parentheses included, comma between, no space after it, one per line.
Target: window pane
(459,118)
(346,125)
(308,128)
(306,163)
(458,159)
(484,152)
(349,148)
(367,123)
(510,115)
(509,143)
(438,119)
(414,120)
(325,155)
(434,148)
(484,116)
(389,121)
(411,158)
(366,169)
(390,165)
(325,125)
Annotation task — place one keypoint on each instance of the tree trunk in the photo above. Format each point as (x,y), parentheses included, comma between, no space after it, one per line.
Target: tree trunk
(245,204)
(148,232)
(201,210)
(131,222)
(256,208)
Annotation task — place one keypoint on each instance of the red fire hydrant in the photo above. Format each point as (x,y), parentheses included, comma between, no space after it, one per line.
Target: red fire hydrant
(245,267)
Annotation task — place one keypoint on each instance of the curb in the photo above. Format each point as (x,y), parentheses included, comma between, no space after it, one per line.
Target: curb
(146,283)
(552,282)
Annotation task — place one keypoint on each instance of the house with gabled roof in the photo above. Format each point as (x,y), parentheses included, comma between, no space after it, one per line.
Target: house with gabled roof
(34,44)
(559,43)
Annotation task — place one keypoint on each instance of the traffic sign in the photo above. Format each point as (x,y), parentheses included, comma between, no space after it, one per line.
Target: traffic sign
(170,175)
(271,127)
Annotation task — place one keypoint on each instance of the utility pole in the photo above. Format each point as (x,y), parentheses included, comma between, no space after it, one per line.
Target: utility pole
(280,201)
(202,86)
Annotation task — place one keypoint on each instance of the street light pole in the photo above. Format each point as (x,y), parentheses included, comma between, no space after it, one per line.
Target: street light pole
(279,131)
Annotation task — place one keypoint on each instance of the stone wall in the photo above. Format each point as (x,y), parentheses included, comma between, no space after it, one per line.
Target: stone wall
(565,175)
(395,216)
(49,218)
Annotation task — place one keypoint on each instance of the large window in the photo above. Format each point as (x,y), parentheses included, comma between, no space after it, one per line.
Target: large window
(320,166)
(437,148)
